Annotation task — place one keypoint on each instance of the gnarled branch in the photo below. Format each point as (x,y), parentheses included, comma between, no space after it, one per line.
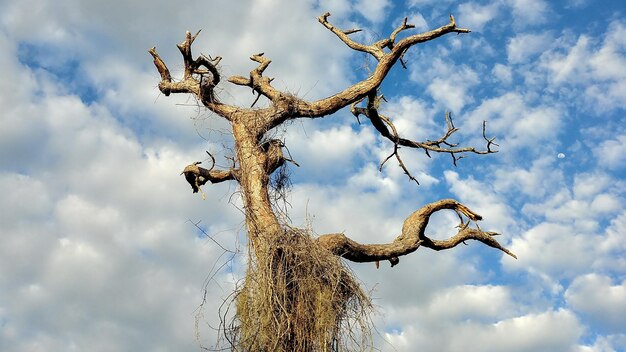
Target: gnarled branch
(413,236)
(193,80)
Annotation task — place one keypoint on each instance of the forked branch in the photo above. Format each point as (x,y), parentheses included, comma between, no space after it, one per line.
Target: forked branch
(413,236)
(387,129)
(387,52)
(373,50)
(259,83)
(199,78)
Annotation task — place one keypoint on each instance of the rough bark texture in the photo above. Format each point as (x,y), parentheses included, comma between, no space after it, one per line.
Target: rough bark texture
(258,156)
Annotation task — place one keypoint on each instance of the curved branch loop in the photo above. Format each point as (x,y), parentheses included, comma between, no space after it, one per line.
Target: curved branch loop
(413,236)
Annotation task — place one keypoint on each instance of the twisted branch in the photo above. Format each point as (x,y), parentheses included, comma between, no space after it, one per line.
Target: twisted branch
(413,236)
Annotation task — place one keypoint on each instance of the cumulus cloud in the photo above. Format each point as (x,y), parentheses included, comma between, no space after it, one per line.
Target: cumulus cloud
(518,123)
(418,20)
(412,117)
(535,181)
(529,12)
(612,153)
(571,240)
(503,73)
(598,298)
(451,85)
(329,153)
(593,198)
(338,9)
(480,198)
(373,10)
(523,47)
(417,3)
(476,16)
(542,249)
(532,332)
(96,248)
(594,65)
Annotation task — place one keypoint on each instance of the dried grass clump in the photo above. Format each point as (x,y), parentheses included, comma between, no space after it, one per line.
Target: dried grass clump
(297,296)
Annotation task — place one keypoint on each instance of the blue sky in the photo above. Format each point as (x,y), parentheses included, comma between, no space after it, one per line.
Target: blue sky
(96,249)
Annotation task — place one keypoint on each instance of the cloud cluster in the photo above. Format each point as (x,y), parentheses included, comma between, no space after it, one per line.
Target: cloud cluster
(97,251)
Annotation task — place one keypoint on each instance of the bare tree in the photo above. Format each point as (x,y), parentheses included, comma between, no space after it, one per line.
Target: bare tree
(297,294)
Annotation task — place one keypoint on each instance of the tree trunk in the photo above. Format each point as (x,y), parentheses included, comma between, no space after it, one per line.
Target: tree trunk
(261,221)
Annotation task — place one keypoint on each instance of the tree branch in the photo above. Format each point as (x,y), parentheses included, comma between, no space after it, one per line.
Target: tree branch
(390,42)
(413,236)
(373,50)
(386,128)
(197,176)
(359,90)
(193,80)
(257,81)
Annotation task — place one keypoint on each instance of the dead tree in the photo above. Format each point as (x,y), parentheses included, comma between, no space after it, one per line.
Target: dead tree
(297,295)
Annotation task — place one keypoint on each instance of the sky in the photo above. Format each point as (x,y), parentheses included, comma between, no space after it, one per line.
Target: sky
(103,246)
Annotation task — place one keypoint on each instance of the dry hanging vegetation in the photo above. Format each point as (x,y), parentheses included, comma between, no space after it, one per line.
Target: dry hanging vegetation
(297,294)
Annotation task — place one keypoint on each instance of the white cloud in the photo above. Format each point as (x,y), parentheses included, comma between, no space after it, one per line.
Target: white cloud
(572,239)
(503,73)
(470,303)
(451,85)
(523,47)
(587,186)
(412,118)
(613,247)
(594,196)
(418,20)
(529,12)
(570,66)
(606,203)
(532,332)
(608,61)
(606,343)
(598,298)
(539,179)
(593,66)
(515,121)
(338,8)
(578,3)
(329,153)
(373,10)
(612,153)
(474,16)
(482,199)
(559,251)
(418,3)
(96,252)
